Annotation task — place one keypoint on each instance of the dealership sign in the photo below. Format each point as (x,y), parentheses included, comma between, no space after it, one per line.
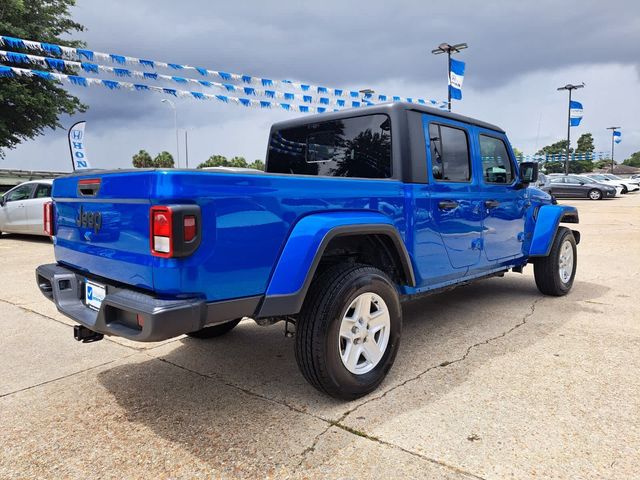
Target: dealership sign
(77,148)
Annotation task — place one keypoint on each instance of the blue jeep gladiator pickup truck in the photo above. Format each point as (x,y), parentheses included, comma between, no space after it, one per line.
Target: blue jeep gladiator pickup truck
(356,211)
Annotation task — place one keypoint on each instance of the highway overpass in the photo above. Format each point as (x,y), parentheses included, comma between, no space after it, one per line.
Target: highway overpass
(10,178)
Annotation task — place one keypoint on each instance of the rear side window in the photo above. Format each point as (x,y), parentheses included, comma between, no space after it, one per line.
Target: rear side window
(351,147)
(449,154)
(496,164)
(43,191)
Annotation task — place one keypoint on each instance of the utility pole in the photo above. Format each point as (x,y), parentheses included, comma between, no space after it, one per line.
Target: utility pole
(175,124)
(571,88)
(449,49)
(613,137)
(186,147)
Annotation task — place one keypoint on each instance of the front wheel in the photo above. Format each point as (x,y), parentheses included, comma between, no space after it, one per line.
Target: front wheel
(555,273)
(595,194)
(348,332)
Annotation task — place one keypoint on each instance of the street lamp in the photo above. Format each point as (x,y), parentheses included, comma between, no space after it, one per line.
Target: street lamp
(571,88)
(613,136)
(449,49)
(175,124)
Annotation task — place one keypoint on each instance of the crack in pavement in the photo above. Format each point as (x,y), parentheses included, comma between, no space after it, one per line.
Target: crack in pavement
(330,423)
(446,363)
(66,376)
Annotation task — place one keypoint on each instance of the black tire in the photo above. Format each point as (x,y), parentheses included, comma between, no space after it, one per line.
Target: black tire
(624,189)
(547,269)
(215,330)
(317,345)
(594,194)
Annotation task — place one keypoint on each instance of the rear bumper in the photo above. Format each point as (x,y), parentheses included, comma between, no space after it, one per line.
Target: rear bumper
(134,315)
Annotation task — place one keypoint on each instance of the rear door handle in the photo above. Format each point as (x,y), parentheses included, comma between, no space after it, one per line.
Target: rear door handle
(447,205)
(491,203)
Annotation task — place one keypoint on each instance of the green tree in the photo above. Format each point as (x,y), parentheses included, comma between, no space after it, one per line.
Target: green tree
(215,161)
(577,166)
(554,167)
(518,153)
(554,148)
(142,159)
(585,143)
(257,164)
(604,163)
(28,105)
(163,160)
(239,162)
(633,160)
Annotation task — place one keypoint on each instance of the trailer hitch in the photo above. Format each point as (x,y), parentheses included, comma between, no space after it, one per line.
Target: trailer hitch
(86,335)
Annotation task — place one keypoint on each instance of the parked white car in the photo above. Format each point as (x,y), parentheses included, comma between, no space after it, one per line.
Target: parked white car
(21,208)
(632,181)
(604,178)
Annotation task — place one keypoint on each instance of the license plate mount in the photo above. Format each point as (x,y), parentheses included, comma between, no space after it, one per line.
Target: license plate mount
(94,294)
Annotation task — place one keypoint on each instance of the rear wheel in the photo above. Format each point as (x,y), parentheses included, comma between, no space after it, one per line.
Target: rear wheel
(595,194)
(215,330)
(555,273)
(348,332)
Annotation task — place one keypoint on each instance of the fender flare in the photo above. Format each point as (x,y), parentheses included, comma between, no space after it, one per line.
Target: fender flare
(548,220)
(303,251)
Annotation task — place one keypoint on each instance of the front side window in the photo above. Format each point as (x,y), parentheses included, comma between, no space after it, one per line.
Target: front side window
(358,147)
(557,180)
(21,193)
(496,164)
(449,154)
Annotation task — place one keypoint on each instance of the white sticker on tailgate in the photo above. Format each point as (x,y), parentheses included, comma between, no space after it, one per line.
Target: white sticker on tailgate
(94,293)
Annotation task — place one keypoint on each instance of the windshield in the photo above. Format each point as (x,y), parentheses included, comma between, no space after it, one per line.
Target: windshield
(612,177)
(599,177)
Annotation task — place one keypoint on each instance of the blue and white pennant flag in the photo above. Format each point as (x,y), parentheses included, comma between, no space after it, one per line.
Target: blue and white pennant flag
(456,76)
(617,136)
(575,113)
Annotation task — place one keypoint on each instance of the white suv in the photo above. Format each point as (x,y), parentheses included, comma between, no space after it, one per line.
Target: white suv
(21,208)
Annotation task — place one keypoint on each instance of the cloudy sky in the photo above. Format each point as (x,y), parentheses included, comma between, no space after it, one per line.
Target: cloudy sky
(519,53)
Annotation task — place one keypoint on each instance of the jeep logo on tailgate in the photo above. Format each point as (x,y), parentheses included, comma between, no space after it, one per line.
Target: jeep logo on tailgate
(89,220)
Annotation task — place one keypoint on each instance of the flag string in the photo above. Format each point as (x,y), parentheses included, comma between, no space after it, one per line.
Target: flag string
(81,55)
(12,72)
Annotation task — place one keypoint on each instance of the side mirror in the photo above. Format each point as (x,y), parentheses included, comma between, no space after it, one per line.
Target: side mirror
(3,200)
(528,172)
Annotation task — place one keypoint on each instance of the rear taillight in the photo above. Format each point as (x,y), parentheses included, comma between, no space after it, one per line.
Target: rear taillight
(162,231)
(189,227)
(48,220)
(175,230)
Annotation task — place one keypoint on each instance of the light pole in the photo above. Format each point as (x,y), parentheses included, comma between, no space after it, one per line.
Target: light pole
(571,88)
(449,49)
(175,124)
(613,137)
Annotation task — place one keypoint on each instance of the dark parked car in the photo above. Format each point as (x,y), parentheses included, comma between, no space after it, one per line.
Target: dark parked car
(573,186)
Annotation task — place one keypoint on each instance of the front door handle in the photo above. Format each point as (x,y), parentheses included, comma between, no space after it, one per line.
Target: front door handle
(447,205)
(491,203)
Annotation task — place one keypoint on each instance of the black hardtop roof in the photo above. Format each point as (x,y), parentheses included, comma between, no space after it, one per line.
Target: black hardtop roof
(387,108)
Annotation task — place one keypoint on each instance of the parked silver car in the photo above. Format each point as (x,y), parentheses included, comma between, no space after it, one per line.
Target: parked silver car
(21,208)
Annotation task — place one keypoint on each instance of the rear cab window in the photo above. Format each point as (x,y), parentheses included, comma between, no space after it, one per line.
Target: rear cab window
(450,159)
(357,147)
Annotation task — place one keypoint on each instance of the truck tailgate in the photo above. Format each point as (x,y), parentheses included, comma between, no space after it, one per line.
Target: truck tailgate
(103,228)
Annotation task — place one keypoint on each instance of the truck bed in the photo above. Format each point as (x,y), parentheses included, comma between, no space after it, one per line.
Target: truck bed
(246,218)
